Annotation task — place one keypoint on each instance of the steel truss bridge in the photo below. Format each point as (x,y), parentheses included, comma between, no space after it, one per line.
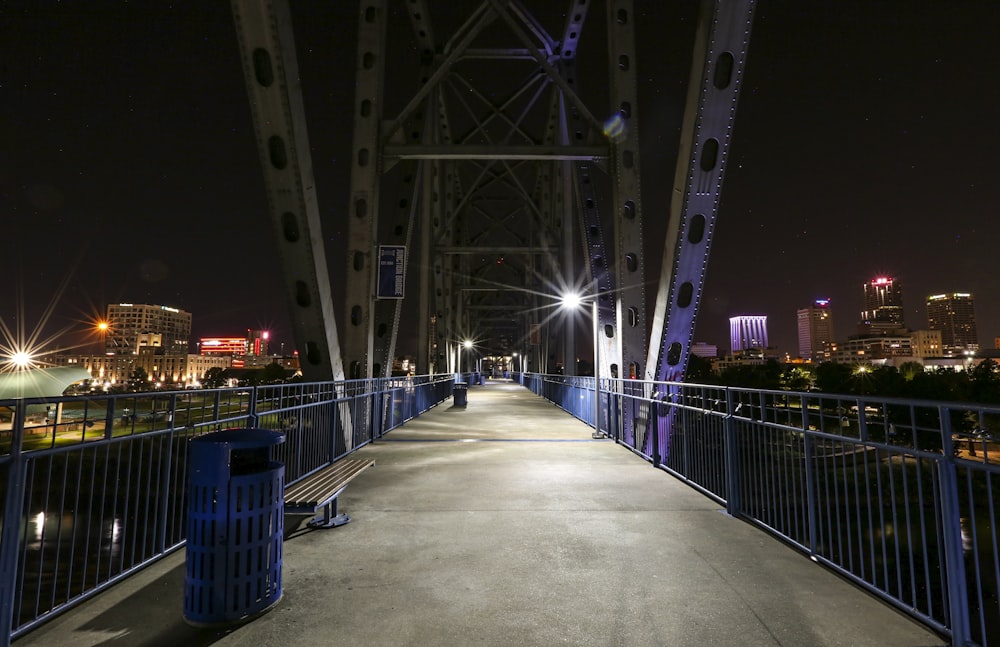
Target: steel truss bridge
(507,175)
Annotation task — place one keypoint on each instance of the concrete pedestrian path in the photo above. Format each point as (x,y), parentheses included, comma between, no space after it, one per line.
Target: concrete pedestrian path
(505,523)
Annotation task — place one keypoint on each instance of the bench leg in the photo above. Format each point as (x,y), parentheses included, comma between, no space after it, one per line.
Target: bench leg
(330,518)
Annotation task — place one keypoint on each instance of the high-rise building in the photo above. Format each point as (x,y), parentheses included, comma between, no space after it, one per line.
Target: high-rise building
(815,330)
(954,315)
(132,326)
(747,333)
(883,306)
(257,342)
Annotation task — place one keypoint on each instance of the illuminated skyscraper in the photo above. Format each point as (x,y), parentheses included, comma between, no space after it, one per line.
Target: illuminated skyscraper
(955,316)
(747,333)
(883,306)
(815,330)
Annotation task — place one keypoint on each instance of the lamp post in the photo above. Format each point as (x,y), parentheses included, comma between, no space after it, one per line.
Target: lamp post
(468,347)
(573,301)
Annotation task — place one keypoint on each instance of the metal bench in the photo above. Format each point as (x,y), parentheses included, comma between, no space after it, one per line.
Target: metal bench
(321,489)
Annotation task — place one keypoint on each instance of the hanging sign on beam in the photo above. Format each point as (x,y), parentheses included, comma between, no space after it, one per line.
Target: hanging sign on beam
(391,266)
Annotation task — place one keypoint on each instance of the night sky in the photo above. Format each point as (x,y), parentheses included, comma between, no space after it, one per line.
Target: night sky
(865,144)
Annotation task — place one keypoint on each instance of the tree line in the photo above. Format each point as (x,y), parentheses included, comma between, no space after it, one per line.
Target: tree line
(980,384)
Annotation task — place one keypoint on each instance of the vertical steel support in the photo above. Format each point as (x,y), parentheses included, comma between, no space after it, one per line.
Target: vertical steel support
(951,522)
(733,499)
(427,362)
(719,58)
(563,196)
(364,206)
(629,264)
(10,539)
(270,68)
(809,456)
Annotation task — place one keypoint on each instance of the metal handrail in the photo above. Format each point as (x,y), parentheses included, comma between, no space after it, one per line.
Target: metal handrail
(900,496)
(93,486)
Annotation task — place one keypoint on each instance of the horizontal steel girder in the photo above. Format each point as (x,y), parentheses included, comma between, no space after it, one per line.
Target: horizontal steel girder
(497,152)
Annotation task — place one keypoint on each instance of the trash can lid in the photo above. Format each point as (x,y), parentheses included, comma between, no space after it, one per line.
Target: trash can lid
(242,438)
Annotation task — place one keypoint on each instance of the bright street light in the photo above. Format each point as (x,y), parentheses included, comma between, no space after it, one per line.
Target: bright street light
(572,300)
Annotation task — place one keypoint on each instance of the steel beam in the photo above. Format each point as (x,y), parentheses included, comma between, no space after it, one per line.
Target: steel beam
(720,50)
(364,200)
(264,31)
(629,259)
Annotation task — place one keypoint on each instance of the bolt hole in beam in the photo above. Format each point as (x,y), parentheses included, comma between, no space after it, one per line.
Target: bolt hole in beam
(696,228)
(674,354)
(312,353)
(685,294)
(262,69)
(290,227)
(302,297)
(276,152)
(723,71)
(709,154)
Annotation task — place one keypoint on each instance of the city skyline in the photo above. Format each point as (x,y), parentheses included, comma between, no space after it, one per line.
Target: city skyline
(844,164)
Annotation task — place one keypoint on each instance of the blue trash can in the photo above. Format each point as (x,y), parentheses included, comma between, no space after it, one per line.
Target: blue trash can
(460,394)
(235,528)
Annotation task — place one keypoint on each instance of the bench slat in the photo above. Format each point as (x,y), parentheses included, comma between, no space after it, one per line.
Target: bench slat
(318,488)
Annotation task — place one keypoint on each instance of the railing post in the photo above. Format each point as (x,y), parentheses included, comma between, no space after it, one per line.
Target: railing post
(166,463)
(10,538)
(615,415)
(653,428)
(807,442)
(954,558)
(252,407)
(377,411)
(733,503)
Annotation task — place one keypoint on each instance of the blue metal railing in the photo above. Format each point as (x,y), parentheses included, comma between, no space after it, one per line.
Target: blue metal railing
(900,496)
(93,486)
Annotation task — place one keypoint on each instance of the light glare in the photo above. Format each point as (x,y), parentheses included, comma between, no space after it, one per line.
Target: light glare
(571,300)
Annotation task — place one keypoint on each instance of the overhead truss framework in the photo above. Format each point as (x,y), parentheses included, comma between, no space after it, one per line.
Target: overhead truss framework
(479,148)
(509,149)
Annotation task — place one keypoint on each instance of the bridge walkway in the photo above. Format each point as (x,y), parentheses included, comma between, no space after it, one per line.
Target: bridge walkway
(505,523)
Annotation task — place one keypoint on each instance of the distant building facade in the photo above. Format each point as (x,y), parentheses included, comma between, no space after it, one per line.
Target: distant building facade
(222,346)
(748,334)
(815,325)
(132,326)
(954,315)
(891,349)
(705,351)
(198,365)
(111,370)
(926,343)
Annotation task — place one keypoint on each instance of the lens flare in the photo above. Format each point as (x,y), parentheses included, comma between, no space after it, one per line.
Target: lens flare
(614,127)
